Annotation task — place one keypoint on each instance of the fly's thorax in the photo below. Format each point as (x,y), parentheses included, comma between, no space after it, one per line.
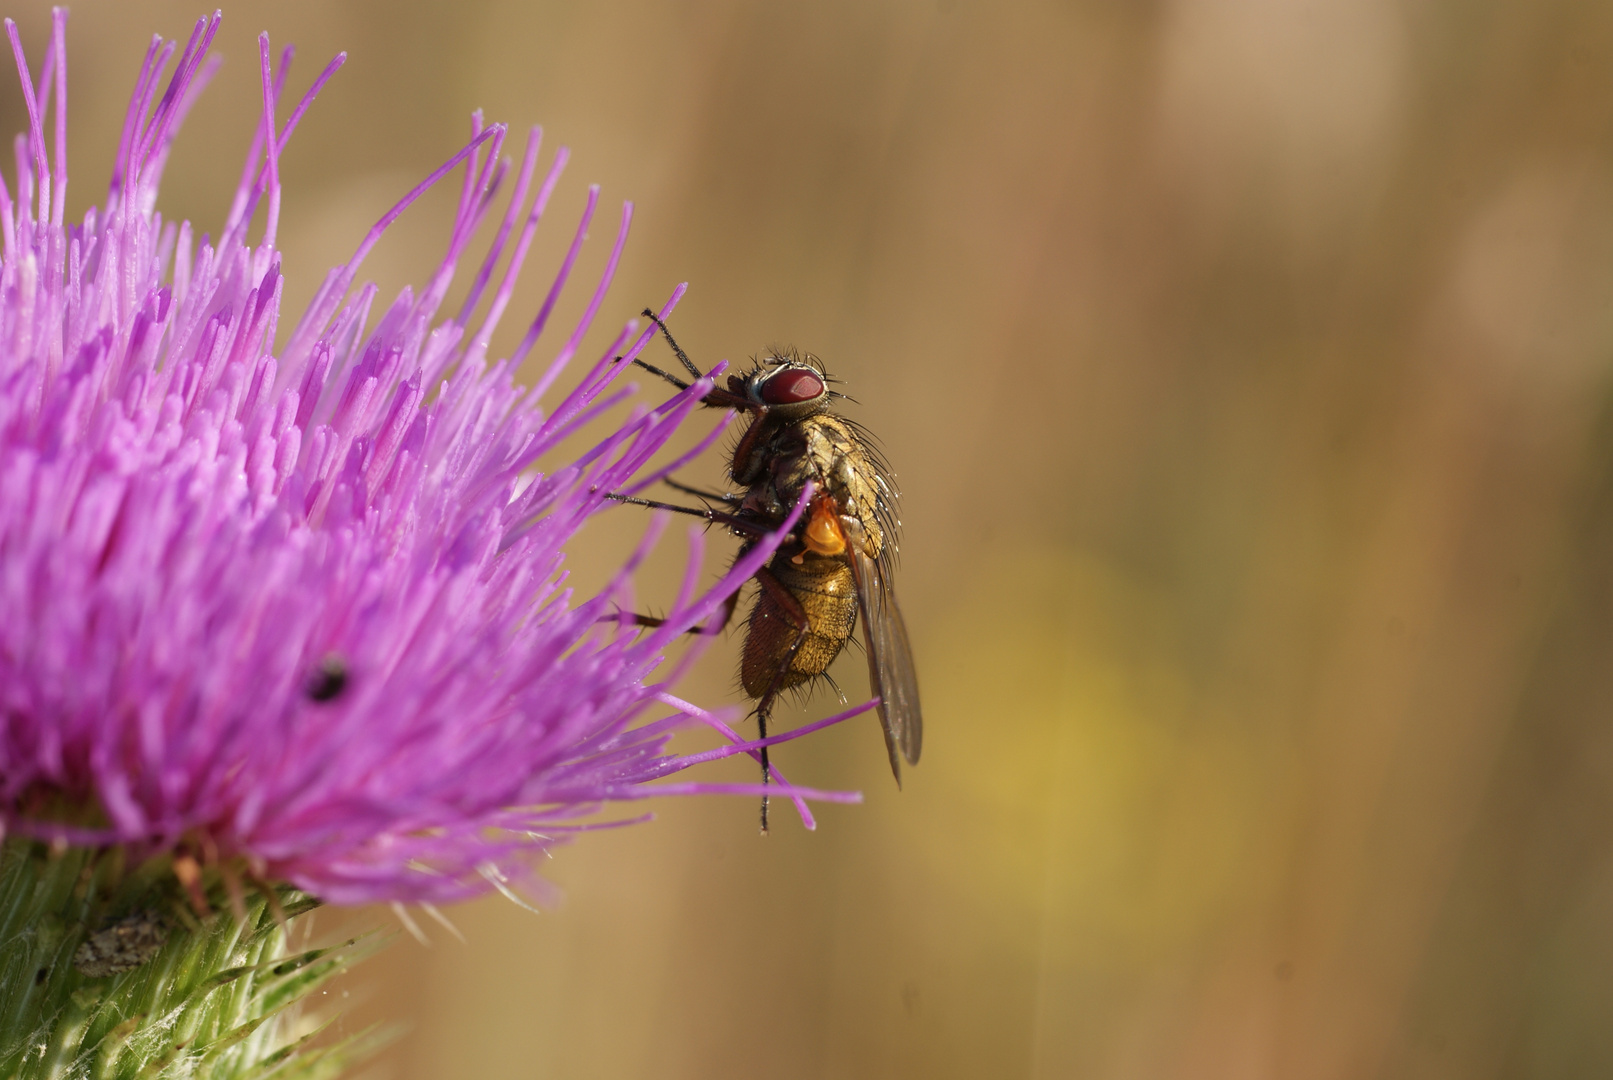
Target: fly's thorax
(825,451)
(845,469)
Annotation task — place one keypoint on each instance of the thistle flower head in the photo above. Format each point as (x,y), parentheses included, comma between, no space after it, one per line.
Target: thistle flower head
(292,600)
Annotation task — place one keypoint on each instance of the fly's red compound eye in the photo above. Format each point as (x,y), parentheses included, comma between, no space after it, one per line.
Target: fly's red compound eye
(791,387)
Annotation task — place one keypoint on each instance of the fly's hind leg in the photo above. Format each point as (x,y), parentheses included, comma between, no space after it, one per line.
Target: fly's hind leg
(652,621)
(796,616)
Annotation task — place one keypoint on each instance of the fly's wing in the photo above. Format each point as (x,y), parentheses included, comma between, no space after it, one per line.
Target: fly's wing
(890,661)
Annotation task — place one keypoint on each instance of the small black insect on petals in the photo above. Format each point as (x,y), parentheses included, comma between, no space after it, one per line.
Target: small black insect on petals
(327,681)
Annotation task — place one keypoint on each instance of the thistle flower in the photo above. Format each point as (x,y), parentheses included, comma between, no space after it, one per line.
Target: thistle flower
(298,613)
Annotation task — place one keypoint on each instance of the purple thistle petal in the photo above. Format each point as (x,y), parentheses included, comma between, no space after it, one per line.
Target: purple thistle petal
(717,724)
(192,523)
(774,740)
(35,122)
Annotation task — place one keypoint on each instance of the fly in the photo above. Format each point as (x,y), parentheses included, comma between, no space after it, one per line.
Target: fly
(835,569)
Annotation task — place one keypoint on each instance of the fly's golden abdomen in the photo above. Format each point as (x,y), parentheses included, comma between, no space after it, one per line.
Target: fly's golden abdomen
(825,593)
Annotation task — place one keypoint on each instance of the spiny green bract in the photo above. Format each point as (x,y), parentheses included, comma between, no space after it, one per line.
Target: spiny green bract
(219,1000)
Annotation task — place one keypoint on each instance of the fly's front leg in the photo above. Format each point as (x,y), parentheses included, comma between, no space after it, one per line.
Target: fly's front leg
(795,615)
(747,463)
(721,399)
(683,357)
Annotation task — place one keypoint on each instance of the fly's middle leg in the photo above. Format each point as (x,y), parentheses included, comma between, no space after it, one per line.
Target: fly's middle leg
(745,527)
(729,497)
(742,526)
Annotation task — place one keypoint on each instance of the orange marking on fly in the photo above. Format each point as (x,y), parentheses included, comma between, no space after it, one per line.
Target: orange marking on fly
(824,536)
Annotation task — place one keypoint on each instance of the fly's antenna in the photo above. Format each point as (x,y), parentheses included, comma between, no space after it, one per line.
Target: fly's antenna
(670,340)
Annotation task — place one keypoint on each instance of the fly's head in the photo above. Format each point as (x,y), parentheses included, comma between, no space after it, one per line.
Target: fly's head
(790,387)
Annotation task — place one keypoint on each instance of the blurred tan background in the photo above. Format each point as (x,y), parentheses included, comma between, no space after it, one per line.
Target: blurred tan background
(1246,367)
